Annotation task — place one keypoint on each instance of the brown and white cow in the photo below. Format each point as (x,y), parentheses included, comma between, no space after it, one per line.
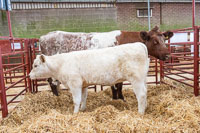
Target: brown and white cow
(63,42)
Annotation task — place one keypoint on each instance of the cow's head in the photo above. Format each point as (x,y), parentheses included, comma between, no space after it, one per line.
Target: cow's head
(155,42)
(40,68)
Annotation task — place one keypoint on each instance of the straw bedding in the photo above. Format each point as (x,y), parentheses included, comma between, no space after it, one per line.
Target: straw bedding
(169,110)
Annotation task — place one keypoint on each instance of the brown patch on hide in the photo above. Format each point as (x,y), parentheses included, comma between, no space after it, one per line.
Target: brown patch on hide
(128,37)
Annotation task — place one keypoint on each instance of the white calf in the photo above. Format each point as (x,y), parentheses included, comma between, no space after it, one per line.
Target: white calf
(108,66)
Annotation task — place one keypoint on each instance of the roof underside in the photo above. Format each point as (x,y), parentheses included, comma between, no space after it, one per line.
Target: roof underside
(103,1)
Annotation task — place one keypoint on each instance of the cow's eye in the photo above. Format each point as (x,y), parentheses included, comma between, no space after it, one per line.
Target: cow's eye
(35,65)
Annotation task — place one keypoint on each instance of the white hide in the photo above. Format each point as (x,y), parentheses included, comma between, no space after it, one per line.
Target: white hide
(108,66)
(106,39)
(63,42)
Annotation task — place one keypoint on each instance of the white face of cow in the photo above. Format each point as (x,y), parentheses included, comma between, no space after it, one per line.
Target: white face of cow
(40,68)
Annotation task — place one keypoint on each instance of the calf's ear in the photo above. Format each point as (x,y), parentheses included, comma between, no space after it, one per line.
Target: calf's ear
(42,58)
(144,35)
(168,34)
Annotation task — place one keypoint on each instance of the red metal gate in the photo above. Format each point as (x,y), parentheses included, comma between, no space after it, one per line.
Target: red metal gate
(184,64)
(14,69)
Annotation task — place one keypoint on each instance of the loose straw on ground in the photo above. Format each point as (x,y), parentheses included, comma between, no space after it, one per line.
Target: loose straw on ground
(169,110)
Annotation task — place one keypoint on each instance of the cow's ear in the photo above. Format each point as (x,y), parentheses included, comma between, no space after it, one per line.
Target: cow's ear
(168,35)
(144,35)
(155,29)
(42,58)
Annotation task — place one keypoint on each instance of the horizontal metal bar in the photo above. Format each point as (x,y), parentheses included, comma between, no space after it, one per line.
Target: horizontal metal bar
(11,95)
(15,68)
(185,78)
(182,71)
(16,96)
(152,82)
(18,86)
(13,53)
(7,88)
(184,29)
(182,68)
(179,81)
(175,73)
(16,64)
(180,53)
(184,57)
(14,76)
(177,64)
(16,101)
(180,43)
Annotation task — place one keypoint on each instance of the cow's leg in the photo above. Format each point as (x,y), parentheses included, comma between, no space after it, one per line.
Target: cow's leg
(140,90)
(53,86)
(75,86)
(57,83)
(114,91)
(84,98)
(119,91)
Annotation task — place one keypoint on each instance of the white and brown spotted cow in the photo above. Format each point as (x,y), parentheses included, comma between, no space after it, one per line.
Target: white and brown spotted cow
(63,42)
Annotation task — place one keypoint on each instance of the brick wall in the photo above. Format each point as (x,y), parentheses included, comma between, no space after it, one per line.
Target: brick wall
(127,16)
(34,23)
(165,15)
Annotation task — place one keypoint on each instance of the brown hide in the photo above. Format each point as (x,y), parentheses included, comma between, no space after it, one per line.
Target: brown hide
(154,40)
(129,37)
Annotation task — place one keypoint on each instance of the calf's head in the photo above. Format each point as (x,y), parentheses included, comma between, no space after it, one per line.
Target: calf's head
(40,68)
(155,42)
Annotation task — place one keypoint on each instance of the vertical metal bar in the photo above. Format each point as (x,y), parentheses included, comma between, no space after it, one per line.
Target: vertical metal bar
(33,57)
(9,24)
(161,71)
(28,64)
(24,68)
(149,23)
(193,13)
(156,70)
(31,62)
(9,68)
(196,61)
(3,90)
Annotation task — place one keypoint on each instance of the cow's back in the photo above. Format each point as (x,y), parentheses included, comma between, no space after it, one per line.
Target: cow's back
(109,65)
(64,42)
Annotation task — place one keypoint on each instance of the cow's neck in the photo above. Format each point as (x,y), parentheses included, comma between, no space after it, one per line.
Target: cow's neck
(131,37)
(128,37)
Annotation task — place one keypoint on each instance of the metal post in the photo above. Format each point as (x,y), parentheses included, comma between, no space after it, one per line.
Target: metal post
(193,13)
(156,70)
(4,106)
(149,23)
(9,24)
(161,71)
(28,64)
(196,61)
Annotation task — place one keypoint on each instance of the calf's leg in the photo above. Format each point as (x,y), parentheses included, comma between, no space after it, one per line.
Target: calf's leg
(119,91)
(75,86)
(53,86)
(114,91)
(83,99)
(140,90)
